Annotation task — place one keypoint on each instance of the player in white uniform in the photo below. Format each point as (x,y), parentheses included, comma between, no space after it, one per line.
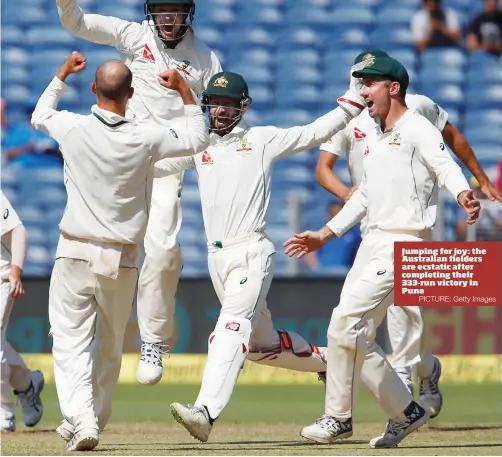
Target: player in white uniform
(109,166)
(163,41)
(404,161)
(234,176)
(27,384)
(405,324)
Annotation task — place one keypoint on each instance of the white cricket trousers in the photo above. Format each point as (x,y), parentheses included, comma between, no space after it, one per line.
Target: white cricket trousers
(241,272)
(406,328)
(353,355)
(160,273)
(15,374)
(88,314)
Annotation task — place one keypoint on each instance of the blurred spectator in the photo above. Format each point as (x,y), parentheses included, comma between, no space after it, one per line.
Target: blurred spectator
(434,26)
(485,31)
(339,252)
(23,144)
(489,225)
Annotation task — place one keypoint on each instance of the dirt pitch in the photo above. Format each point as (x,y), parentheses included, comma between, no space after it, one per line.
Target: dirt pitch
(266,421)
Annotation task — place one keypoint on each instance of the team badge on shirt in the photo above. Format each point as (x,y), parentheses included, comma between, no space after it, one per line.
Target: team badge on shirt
(244,145)
(396,141)
(207,159)
(185,67)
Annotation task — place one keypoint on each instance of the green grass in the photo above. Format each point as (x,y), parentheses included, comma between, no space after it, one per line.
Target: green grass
(265,420)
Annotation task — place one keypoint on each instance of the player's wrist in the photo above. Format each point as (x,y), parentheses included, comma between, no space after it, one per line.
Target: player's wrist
(16,271)
(326,234)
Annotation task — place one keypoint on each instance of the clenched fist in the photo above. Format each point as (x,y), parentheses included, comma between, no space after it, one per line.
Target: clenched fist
(74,64)
(173,80)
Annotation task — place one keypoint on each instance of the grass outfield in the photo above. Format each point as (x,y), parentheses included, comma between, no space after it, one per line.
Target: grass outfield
(265,420)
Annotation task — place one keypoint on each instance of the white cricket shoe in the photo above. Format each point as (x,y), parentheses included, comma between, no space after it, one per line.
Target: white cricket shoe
(430,395)
(194,418)
(30,400)
(66,431)
(85,440)
(150,367)
(327,429)
(8,425)
(396,432)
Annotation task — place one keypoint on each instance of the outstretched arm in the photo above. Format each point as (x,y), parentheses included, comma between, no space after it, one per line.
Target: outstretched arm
(96,28)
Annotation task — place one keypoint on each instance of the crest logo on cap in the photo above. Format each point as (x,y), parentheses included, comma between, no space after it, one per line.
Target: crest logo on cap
(370,58)
(220,82)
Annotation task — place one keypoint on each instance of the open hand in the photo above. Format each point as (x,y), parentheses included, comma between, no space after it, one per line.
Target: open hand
(470,204)
(16,285)
(301,244)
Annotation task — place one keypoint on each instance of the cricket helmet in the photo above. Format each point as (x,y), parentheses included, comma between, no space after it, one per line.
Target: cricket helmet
(155,19)
(227,84)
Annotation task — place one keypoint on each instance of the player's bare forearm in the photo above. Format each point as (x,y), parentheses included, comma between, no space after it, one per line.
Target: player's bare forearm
(461,148)
(327,178)
(187,96)
(326,234)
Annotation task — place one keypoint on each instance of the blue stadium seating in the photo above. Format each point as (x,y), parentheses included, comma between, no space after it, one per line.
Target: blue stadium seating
(296,57)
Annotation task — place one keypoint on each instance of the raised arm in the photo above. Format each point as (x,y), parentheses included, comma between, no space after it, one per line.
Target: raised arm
(45,117)
(284,142)
(96,28)
(180,142)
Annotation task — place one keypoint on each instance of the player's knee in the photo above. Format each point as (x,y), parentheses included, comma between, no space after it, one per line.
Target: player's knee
(341,330)
(233,327)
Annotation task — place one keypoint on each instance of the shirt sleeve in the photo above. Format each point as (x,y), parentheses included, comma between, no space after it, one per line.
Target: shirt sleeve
(213,68)
(10,219)
(180,142)
(431,111)
(338,144)
(431,148)
(47,119)
(99,29)
(167,167)
(352,212)
(285,142)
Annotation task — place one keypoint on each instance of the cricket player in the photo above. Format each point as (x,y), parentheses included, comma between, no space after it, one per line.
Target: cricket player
(404,160)
(27,384)
(405,324)
(234,176)
(109,165)
(164,41)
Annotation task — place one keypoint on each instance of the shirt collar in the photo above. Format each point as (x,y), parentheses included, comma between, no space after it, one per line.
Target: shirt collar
(236,133)
(108,118)
(398,124)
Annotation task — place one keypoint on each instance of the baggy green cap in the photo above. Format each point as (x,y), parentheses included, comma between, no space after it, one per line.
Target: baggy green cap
(385,66)
(228,84)
(367,55)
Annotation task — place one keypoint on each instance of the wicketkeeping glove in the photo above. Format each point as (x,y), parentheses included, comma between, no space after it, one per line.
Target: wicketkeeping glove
(351,101)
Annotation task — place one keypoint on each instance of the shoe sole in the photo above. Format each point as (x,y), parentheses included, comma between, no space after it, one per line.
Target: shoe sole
(412,428)
(342,436)
(181,421)
(87,444)
(41,387)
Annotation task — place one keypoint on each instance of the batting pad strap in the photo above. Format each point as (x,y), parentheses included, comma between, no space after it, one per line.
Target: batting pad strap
(291,341)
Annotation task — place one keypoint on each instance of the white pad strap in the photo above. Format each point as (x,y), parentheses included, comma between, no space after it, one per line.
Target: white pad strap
(228,349)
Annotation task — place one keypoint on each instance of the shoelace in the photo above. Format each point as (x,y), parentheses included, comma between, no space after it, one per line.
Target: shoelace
(29,397)
(395,428)
(329,423)
(153,352)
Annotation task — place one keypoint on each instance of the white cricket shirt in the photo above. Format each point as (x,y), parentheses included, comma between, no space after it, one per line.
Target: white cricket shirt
(109,165)
(402,169)
(235,171)
(10,220)
(350,140)
(147,58)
